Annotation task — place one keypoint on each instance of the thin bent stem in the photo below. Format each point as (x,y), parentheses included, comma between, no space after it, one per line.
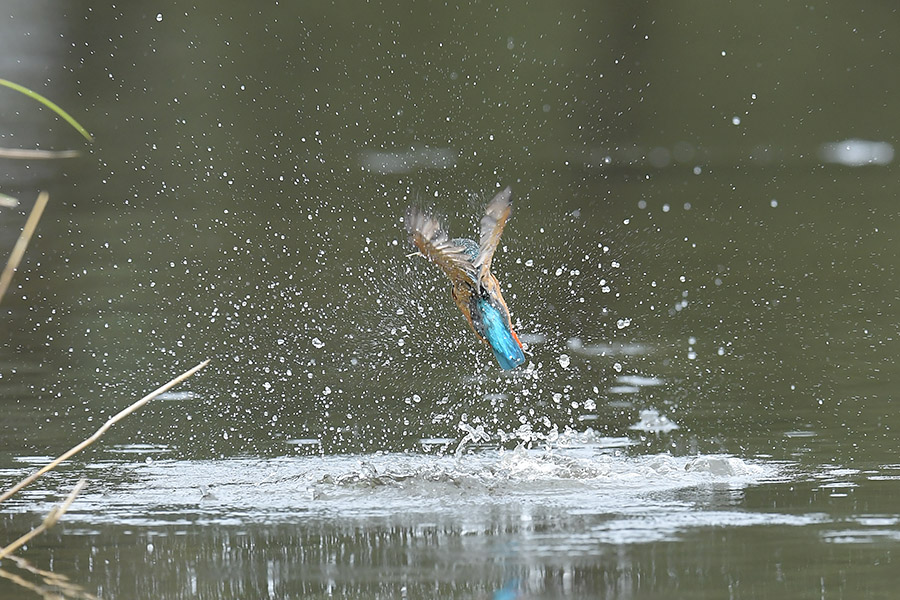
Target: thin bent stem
(49,521)
(36,154)
(52,106)
(97,434)
(18,252)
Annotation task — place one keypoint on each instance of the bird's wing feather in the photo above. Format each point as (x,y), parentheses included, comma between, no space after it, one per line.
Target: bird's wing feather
(426,234)
(495,215)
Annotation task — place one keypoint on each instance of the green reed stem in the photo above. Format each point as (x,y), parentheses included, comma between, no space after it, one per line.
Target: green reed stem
(52,106)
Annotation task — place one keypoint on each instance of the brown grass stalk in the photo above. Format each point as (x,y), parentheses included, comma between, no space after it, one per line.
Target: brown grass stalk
(22,243)
(53,585)
(49,521)
(99,433)
(36,153)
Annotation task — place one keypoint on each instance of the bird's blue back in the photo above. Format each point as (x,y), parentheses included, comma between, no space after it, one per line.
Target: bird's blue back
(470,247)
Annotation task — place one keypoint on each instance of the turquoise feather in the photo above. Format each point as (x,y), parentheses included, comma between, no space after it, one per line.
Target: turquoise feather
(506,350)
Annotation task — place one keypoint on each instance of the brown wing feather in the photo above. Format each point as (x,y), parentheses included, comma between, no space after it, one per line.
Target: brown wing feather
(495,215)
(426,234)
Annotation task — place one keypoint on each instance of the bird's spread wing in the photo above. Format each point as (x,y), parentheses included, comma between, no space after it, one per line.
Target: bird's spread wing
(426,234)
(495,216)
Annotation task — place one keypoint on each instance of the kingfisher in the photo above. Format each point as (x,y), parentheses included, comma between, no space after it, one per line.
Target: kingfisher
(468,265)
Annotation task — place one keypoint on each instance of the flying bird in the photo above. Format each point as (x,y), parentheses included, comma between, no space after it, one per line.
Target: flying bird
(468,265)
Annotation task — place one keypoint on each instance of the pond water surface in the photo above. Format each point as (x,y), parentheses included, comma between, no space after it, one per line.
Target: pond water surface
(701,264)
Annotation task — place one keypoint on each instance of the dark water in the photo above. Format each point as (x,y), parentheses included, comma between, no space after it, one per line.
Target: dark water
(701,261)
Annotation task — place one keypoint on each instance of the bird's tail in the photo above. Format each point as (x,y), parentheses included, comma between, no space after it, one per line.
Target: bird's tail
(502,339)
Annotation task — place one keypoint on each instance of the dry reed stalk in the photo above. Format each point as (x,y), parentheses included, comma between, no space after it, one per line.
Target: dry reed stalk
(59,585)
(49,521)
(53,586)
(22,243)
(36,154)
(24,583)
(97,434)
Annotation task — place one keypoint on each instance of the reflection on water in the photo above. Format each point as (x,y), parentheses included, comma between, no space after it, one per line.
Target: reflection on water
(455,526)
(856,153)
(563,522)
(406,161)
